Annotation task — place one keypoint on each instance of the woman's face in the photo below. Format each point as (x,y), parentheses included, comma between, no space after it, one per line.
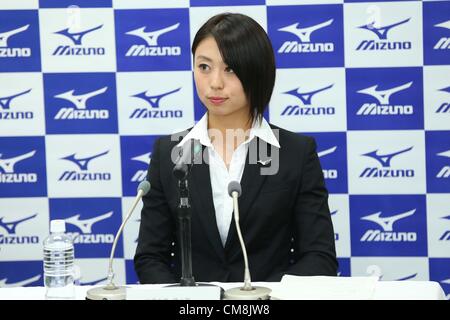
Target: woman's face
(218,87)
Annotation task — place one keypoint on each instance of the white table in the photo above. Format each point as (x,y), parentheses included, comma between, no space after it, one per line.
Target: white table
(384,290)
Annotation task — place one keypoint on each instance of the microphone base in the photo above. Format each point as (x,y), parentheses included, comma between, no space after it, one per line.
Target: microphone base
(106,293)
(256,293)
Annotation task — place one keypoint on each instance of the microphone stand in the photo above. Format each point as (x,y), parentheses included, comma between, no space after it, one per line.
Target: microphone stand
(181,172)
(184,219)
(247,292)
(111,291)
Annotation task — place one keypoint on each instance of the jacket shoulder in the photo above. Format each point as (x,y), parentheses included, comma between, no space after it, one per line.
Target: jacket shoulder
(173,139)
(288,138)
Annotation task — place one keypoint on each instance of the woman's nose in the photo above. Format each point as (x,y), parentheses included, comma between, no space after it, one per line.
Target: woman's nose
(216,80)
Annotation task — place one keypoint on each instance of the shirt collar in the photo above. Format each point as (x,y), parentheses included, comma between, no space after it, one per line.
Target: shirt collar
(198,132)
(261,130)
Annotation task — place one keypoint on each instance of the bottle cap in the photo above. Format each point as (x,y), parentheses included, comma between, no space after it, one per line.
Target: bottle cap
(57,226)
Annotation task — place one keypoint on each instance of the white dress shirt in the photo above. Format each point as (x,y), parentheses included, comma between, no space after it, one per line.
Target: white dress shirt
(220,175)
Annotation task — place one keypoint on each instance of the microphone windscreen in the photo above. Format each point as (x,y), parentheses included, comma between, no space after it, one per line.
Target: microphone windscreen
(188,155)
(234,186)
(144,186)
(197,147)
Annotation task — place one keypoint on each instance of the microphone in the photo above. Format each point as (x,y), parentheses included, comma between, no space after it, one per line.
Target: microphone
(247,292)
(183,164)
(111,291)
(186,157)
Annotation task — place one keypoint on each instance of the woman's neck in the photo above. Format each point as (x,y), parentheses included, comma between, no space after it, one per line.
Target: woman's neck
(227,133)
(231,122)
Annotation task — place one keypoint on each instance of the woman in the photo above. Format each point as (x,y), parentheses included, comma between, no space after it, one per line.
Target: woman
(284,214)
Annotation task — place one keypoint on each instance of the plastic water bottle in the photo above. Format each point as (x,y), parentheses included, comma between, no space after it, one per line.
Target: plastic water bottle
(59,262)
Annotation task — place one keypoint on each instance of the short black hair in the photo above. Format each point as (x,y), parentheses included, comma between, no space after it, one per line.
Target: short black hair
(246,48)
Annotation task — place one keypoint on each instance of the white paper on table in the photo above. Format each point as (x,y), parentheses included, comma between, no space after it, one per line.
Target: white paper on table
(325,288)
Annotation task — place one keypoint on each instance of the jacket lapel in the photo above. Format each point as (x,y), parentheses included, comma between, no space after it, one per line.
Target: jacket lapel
(251,183)
(201,195)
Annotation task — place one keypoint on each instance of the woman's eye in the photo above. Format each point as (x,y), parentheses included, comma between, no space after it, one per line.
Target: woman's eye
(229,70)
(203,67)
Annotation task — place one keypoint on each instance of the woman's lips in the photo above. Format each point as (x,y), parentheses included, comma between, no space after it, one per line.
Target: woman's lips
(217,100)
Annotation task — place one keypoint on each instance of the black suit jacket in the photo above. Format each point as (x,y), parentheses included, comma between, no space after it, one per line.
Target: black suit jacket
(288,210)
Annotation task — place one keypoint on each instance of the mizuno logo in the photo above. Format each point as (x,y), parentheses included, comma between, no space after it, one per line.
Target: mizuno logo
(145,158)
(5,35)
(384,107)
(79,101)
(445,171)
(76,37)
(93,283)
(383,96)
(151,38)
(86,225)
(444,42)
(10,227)
(445,106)
(445,89)
(444,154)
(445,25)
(22,283)
(385,160)
(154,100)
(5,102)
(332,213)
(306,97)
(382,34)
(83,162)
(412,276)
(304,34)
(7,165)
(305,45)
(387,222)
(326,152)
(328,173)
(307,109)
(140,175)
(382,31)
(376,271)
(446,235)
